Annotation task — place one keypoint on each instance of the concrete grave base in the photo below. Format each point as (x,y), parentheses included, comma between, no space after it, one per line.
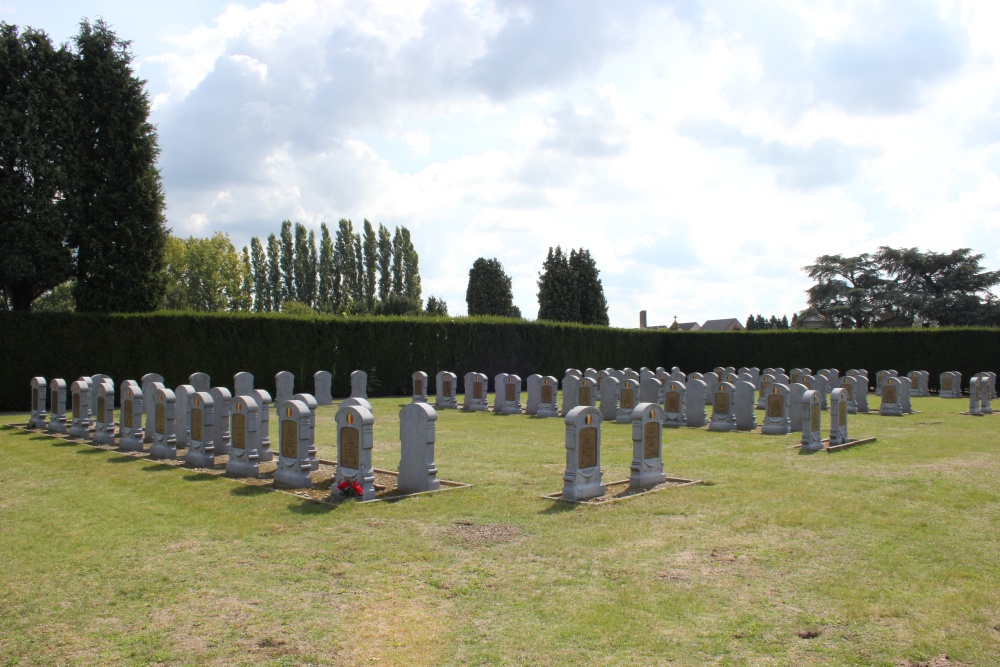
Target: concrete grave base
(827,447)
(621,490)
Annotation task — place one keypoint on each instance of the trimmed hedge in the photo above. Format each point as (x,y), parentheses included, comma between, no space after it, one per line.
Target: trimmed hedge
(390,349)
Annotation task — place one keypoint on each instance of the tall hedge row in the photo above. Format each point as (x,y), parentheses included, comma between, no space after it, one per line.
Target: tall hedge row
(391,349)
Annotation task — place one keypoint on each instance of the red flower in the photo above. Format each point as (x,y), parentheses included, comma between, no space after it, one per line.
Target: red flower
(358,490)
(343,485)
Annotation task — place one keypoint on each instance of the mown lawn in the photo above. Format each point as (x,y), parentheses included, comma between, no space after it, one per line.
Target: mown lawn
(876,555)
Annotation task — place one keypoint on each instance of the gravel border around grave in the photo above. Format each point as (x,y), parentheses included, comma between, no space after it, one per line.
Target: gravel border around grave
(322,490)
(620,490)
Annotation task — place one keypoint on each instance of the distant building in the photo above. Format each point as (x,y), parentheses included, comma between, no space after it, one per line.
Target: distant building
(729,324)
(684,326)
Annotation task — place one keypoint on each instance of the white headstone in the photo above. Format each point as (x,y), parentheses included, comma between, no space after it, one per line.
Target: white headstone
(200,381)
(57,406)
(674,399)
(694,404)
(221,399)
(244,444)
(201,415)
(510,392)
(628,398)
(284,384)
(182,395)
(359,384)
(534,385)
(263,400)
(294,430)
(838,417)
(746,419)
(417,470)
(39,391)
(164,414)
(80,396)
(323,385)
(243,384)
(148,398)
(812,435)
(104,414)
(609,397)
(132,409)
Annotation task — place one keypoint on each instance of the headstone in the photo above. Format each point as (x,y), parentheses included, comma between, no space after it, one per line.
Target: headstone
(795,393)
(585,392)
(498,394)
(763,385)
(149,400)
(905,388)
(201,450)
(632,375)
(821,385)
(39,391)
(628,398)
(838,417)
(947,385)
(221,400)
(57,406)
(284,384)
(570,392)
(323,385)
(647,446)
(574,372)
(985,393)
(359,384)
(417,470)
(582,478)
(848,384)
(651,390)
(676,375)
(310,402)
(355,439)
(694,403)
(80,424)
(200,381)
(182,396)
(890,398)
(446,397)
(674,397)
(861,393)
(711,380)
(476,398)
(548,397)
(243,384)
(746,419)
(776,410)
(244,443)
(294,469)
(510,392)
(974,389)
(104,415)
(418,382)
(609,397)
(164,414)
(534,386)
(263,400)
(723,416)
(812,435)
(132,409)
(914,377)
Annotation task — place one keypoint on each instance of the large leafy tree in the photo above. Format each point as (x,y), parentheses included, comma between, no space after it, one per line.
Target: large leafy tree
(114,193)
(204,275)
(851,292)
(36,128)
(946,288)
(570,289)
(489,291)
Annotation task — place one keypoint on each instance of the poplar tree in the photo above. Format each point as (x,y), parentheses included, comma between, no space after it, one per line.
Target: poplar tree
(274,273)
(327,293)
(346,263)
(397,263)
(384,263)
(261,291)
(313,266)
(411,268)
(287,262)
(370,253)
(300,264)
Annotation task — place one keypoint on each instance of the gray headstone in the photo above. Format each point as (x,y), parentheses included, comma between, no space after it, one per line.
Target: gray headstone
(417,470)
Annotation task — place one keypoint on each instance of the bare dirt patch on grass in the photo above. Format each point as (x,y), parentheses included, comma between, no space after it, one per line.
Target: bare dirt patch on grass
(483,534)
(937,661)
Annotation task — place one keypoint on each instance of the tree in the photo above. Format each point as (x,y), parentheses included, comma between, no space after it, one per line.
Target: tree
(244,300)
(946,288)
(346,279)
(312,268)
(205,275)
(436,306)
(261,291)
(300,263)
(36,128)
(370,253)
(274,272)
(489,291)
(115,195)
(287,262)
(326,294)
(586,277)
(558,300)
(58,300)
(411,268)
(398,304)
(397,262)
(850,291)
(384,263)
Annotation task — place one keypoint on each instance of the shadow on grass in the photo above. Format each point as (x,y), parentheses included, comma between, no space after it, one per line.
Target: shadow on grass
(122,458)
(159,467)
(312,508)
(807,452)
(200,477)
(559,507)
(90,450)
(247,490)
(66,443)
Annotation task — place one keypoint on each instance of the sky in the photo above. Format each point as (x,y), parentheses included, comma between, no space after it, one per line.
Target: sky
(704,152)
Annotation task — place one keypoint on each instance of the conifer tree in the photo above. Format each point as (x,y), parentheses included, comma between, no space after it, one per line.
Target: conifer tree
(557,297)
(589,289)
(411,268)
(274,273)
(287,262)
(345,260)
(397,263)
(300,265)
(384,263)
(312,267)
(258,262)
(327,294)
(489,291)
(370,255)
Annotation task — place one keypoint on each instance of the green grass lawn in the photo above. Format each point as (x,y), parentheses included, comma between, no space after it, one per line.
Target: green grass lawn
(876,555)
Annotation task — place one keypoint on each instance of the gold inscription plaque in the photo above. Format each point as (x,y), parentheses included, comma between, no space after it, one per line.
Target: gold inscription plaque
(129,417)
(418,386)
(628,399)
(447,387)
(546,393)
(946,383)
(289,439)
(843,413)
(888,394)
(100,409)
(477,390)
(511,394)
(197,419)
(673,401)
(240,431)
(651,440)
(34,400)
(76,405)
(721,403)
(55,400)
(161,419)
(850,391)
(350,448)
(587,447)
(584,395)
(775,406)
(814,418)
